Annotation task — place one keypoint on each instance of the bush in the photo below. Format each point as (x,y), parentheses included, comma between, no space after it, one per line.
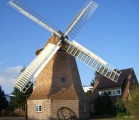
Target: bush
(132,104)
(103,105)
(120,114)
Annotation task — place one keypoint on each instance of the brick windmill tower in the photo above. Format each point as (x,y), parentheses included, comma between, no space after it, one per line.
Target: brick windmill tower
(58,92)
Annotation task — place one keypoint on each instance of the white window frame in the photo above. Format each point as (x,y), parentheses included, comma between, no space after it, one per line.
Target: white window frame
(120,92)
(38,108)
(114,92)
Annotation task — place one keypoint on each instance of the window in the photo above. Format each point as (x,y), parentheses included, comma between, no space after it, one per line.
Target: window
(80,106)
(63,80)
(38,108)
(99,92)
(92,108)
(114,92)
(84,107)
(119,92)
(109,93)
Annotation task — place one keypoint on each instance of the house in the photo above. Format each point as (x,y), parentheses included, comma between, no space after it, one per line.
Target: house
(127,80)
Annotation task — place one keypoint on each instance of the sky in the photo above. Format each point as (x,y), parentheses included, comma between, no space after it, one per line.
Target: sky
(112,33)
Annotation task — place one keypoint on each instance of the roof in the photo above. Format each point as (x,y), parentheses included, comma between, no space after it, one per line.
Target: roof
(107,83)
(125,81)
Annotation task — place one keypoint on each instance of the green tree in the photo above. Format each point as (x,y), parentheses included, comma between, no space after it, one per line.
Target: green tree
(20,98)
(96,76)
(3,101)
(132,104)
(120,108)
(89,92)
(103,104)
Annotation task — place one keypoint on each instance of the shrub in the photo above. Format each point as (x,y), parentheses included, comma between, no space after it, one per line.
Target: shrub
(132,104)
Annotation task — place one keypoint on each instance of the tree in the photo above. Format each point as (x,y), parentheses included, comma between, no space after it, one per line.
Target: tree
(103,104)
(88,93)
(97,74)
(132,104)
(20,98)
(3,101)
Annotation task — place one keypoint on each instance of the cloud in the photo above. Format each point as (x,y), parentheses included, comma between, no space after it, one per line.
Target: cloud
(7,77)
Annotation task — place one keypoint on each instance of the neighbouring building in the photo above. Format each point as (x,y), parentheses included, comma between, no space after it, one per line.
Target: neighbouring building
(121,89)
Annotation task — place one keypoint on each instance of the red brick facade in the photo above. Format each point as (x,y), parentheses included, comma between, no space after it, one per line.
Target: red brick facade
(58,85)
(127,81)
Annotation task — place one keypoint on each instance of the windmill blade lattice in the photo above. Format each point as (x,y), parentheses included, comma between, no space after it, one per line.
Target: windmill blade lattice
(78,22)
(89,58)
(24,80)
(25,10)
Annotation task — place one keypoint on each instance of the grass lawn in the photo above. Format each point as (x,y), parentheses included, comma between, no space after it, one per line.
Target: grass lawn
(115,118)
(106,117)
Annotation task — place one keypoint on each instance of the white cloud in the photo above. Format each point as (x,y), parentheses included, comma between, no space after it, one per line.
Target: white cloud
(7,77)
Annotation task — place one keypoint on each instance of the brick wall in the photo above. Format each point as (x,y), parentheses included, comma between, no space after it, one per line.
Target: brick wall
(53,94)
(50,109)
(31,107)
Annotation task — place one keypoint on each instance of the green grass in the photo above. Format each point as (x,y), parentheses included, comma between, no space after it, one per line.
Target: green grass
(109,117)
(115,118)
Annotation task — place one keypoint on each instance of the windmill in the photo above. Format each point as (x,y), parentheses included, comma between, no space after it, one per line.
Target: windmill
(59,48)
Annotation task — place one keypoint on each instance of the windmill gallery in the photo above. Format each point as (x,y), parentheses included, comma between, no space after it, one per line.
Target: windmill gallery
(58,92)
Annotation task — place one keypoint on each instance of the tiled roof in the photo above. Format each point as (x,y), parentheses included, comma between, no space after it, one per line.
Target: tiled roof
(126,80)
(107,83)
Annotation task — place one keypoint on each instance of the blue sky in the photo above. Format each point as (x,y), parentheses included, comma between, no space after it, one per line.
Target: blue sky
(112,33)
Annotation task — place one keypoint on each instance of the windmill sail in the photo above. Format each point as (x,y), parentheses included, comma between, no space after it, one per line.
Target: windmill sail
(89,58)
(24,80)
(19,6)
(81,18)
